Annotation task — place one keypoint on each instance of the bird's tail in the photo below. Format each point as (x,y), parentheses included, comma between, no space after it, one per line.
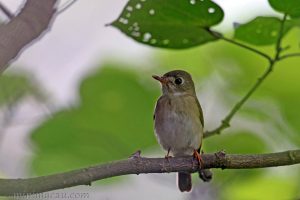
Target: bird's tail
(184,181)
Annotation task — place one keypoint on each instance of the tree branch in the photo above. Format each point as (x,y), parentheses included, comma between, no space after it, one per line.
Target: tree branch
(29,24)
(272,61)
(141,165)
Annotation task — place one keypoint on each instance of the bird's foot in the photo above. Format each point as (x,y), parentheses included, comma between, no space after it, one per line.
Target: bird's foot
(197,155)
(168,155)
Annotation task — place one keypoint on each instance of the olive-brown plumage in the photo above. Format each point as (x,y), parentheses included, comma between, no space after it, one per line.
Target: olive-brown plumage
(178,119)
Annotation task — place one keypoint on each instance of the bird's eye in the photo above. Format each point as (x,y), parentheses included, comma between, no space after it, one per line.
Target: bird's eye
(178,81)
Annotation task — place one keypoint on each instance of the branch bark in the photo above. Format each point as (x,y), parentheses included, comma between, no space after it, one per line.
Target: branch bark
(141,165)
(28,25)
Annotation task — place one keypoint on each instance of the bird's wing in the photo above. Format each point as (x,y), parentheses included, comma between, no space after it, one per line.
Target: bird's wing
(200,111)
(156,107)
(194,97)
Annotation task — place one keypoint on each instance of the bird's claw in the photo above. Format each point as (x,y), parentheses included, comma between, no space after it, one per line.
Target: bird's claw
(197,155)
(168,155)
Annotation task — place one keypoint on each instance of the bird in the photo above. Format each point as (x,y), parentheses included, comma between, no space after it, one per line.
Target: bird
(178,121)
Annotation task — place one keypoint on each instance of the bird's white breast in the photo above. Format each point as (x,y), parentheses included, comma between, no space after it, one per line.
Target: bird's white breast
(178,128)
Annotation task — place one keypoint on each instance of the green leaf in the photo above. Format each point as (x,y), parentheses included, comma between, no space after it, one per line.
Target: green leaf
(295,22)
(290,7)
(14,87)
(113,120)
(262,30)
(173,24)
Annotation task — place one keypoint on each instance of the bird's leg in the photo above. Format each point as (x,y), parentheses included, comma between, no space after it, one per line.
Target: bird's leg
(197,155)
(168,156)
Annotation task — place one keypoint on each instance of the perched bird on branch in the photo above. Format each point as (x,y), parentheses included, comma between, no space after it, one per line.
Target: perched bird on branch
(178,121)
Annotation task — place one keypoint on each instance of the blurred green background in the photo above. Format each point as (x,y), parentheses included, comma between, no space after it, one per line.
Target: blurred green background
(113,116)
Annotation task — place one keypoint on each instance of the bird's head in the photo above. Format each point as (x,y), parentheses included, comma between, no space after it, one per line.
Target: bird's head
(176,82)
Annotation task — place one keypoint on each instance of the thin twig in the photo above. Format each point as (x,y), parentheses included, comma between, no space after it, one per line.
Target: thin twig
(6,11)
(66,6)
(272,61)
(289,56)
(141,165)
(226,121)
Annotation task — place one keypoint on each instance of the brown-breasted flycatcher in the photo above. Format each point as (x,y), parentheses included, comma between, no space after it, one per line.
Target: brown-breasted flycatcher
(178,119)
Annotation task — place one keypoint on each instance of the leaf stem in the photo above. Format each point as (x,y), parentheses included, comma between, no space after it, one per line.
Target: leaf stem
(220,36)
(279,40)
(272,61)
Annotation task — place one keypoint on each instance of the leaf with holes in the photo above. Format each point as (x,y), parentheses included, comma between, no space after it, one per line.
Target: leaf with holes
(173,24)
(290,7)
(261,30)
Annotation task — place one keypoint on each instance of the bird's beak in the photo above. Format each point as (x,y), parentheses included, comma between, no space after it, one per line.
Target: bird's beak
(161,79)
